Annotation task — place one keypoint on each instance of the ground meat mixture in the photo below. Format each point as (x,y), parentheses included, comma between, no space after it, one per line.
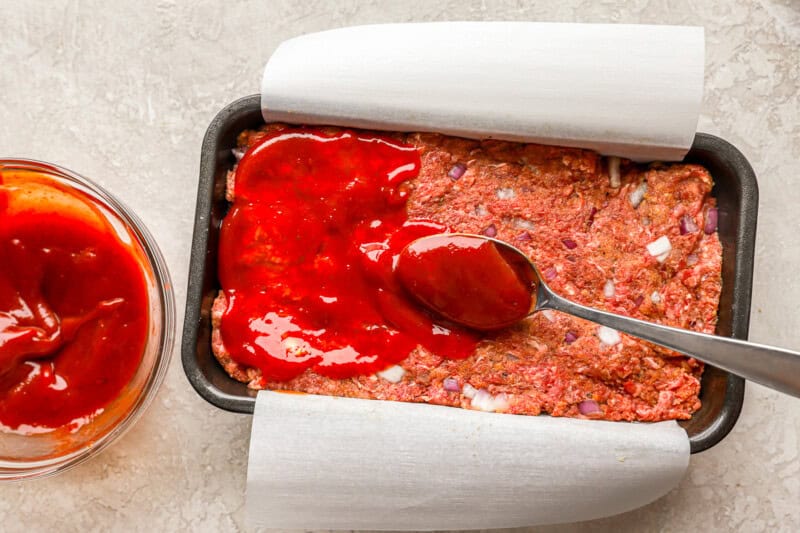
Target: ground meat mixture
(626,238)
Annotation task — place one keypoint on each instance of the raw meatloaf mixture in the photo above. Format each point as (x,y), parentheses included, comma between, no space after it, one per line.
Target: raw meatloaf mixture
(640,241)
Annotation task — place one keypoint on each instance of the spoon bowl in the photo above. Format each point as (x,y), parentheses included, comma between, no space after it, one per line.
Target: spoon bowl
(440,271)
(487,284)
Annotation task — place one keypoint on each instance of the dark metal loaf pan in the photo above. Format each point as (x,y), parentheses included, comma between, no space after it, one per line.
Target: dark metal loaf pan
(737,196)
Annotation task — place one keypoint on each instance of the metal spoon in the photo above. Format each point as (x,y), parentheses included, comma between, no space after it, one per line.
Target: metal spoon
(773,367)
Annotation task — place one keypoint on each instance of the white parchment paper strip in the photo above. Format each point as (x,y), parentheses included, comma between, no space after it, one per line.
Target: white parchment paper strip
(628,90)
(324,462)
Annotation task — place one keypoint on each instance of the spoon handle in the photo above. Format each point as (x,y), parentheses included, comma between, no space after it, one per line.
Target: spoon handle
(773,367)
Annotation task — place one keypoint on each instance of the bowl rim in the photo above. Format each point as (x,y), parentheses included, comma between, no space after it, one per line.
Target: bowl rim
(23,470)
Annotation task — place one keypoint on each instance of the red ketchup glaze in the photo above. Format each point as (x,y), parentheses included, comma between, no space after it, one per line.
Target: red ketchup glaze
(307,254)
(468,280)
(73,309)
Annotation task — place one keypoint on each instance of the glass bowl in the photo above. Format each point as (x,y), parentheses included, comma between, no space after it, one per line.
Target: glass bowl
(24,456)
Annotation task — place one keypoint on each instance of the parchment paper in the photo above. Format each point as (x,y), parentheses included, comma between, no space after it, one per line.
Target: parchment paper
(339,463)
(628,90)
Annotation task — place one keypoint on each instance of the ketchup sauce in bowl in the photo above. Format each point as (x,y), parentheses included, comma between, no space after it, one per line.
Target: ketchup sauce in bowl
(86,318)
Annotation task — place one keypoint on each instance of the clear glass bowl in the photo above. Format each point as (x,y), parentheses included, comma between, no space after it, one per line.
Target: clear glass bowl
(44,454)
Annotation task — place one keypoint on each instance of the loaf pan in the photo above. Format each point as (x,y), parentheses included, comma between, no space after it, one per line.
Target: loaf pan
(735,188)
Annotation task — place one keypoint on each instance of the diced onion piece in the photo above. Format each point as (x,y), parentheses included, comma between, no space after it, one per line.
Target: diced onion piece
(660,248)
(608,335)
(484,401)
(692,259)
(588,407)
(451,385)
(569,244)
(457,171)
(490,231)
(609,289)
(638,301)
(548,314)
(687,225)
(505,193)
(238,153)
(652,363)
(393,374)
(501,402)
(469,391)
(570,337)
(613,172)
(550,274)
(637,195)
(524,237)
(655,297)
(523,223)
(712,216)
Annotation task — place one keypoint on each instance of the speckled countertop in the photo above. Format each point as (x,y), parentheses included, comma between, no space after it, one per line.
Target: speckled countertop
(123,91)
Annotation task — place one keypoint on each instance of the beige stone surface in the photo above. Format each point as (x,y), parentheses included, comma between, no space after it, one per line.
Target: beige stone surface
(123,91)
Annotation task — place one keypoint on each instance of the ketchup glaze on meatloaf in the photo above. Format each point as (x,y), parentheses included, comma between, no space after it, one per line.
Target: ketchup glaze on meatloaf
(593,239)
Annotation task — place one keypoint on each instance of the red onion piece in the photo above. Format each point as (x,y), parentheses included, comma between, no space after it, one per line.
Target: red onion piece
(712,216)
(688,225)
(451,385)
(569,243)
(524,236)
(570,337)
(692,259)
(638,301)
(457,171)
(490,231)
(588,407)
(592,213)
(550,274)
